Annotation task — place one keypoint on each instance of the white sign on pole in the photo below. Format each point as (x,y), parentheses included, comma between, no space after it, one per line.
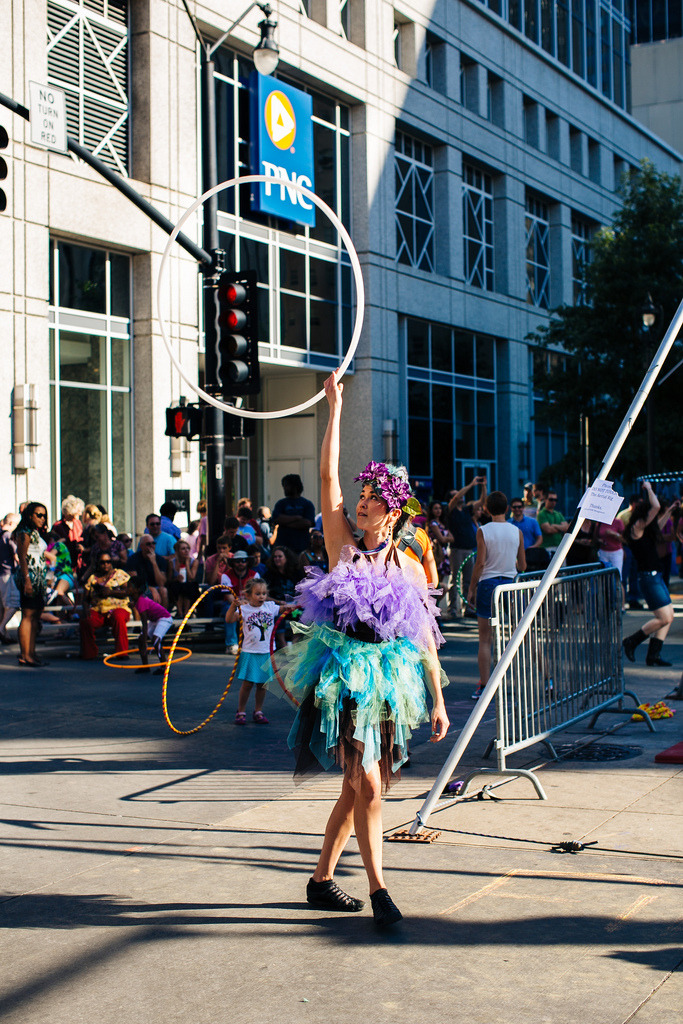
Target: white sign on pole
(47,107)
(600,503)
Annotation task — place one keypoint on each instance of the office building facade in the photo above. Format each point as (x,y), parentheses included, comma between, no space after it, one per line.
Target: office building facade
(470,148)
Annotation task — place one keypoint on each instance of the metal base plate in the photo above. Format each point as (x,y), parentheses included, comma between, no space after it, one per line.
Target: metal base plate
(427,835)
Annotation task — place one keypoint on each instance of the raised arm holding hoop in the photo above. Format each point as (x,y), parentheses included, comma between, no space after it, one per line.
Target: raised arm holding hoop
(360,672)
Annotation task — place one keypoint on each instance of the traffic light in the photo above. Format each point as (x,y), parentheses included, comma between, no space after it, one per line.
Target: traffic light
(183,421)
(238,428)
(238,366)
(4,143)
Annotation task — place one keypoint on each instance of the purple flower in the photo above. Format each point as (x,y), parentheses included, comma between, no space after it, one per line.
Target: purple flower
(391,482)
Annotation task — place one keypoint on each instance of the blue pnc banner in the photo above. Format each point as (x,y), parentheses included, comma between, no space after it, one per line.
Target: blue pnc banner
(282,133)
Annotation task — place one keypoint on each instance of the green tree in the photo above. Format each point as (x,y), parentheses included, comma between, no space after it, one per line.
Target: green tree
(606,351)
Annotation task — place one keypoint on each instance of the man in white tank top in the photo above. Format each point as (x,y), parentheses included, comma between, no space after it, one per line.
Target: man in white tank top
(500,555)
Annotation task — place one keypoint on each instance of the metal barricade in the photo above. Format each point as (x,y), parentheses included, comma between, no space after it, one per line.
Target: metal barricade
(569,665)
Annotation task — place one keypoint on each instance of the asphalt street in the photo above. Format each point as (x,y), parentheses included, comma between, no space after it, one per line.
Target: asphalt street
(149,877)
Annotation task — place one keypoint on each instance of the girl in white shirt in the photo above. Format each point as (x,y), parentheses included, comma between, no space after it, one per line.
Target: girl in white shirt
(258,619)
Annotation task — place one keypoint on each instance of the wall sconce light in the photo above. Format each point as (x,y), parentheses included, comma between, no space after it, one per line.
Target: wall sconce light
(24,427)
(389,437)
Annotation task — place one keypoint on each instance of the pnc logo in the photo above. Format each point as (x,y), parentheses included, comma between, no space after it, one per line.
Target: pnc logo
(280,120)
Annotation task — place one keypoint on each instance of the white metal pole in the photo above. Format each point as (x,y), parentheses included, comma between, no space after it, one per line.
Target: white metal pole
(546,582)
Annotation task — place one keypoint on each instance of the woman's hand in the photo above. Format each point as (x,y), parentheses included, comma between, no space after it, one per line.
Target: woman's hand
(28,587)
(333,391)
(440,723)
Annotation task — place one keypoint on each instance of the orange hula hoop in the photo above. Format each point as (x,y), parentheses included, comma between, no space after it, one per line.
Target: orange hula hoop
(279,678)
(107,660)
(164,703)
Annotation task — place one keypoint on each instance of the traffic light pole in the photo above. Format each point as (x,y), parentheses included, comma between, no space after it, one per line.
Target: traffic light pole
(214,434)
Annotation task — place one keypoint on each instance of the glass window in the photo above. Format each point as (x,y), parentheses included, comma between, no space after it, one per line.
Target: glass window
(477,200)
(442,348)
(581,236)
(485,354)
(120,285)
(323,320)
(590,36)
(418,342)
(82,278)
(121,456)
(459,405)
(414,202)
(464,354)
(418,399)
(293,321)
(537,253)
(531,19)
(82,445)
(292,270)
(90,379)
(323,279)
(82,358)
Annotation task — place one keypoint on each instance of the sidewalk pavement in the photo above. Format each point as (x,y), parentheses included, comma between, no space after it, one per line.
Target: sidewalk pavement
(149,877)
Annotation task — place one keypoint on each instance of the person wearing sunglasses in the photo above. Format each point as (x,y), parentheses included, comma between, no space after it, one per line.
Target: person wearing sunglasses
(30,538)
(105,603)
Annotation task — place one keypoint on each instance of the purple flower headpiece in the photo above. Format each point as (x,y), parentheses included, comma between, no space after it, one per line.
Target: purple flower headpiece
(390,482)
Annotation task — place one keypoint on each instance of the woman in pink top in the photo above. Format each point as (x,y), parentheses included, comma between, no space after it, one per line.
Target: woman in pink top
(610,543)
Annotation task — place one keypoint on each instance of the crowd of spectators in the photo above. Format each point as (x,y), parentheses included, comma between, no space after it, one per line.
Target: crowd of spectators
(87,572)
(83,569)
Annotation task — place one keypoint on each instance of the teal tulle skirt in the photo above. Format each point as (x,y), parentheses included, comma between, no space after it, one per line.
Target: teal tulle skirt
(358,701)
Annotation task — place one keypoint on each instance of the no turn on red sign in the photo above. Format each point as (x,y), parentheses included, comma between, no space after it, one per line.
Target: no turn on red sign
(47,107)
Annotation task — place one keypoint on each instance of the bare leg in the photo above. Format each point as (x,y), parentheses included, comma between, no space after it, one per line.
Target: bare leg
(337,832)
(367,817)
(484,655)
(62,592)
(26,627)
(662,620)
(35,620)
(7,615)
(245,690)
(260,696)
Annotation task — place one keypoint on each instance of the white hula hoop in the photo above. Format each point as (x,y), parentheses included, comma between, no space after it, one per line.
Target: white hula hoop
(358,279)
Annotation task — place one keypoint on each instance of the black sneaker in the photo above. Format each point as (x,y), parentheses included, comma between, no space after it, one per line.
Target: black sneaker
(328,896)
(384,910)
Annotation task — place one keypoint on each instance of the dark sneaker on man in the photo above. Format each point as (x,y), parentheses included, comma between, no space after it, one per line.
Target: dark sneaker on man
(384,910)
(329,896)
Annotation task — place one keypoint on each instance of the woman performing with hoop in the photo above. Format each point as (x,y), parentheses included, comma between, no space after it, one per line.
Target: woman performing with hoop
(368,649)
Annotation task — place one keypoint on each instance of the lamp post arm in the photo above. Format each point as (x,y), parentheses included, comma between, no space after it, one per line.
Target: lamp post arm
(200,37)
(212,49)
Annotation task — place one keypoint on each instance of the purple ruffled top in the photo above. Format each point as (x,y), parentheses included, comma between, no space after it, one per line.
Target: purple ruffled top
(393,601)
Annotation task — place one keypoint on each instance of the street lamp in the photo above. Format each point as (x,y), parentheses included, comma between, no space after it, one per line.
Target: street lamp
(266,53)
(648,313)
(266,56)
